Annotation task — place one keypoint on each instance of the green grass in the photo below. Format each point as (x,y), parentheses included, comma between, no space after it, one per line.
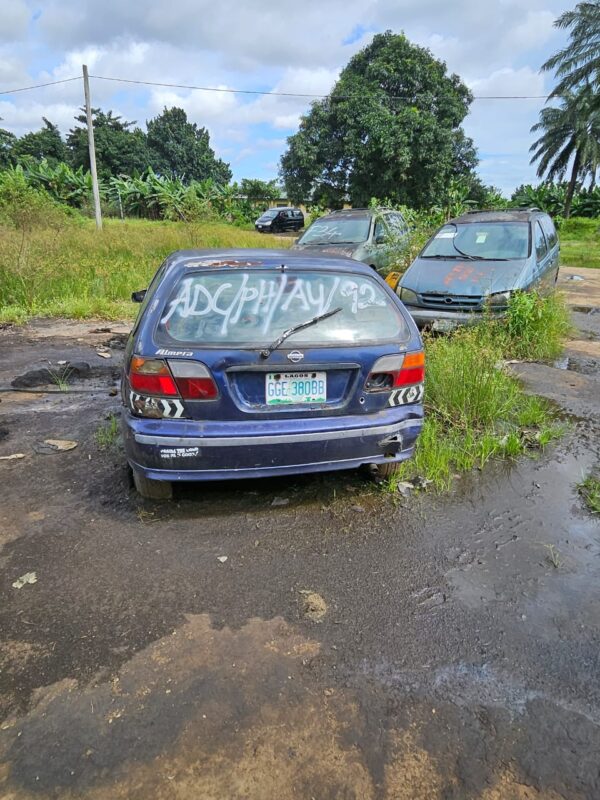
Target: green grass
(74,271)
(589,489)
(107,435)
(580,242)
(475,410)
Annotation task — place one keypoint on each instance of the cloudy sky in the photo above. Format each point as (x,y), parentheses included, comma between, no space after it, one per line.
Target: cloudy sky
(271,45)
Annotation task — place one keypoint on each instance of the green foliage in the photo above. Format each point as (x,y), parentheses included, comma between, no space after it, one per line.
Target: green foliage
(580,242)
(579,60)
(75,271)
(254,189)
(24,207)
(45,144)
(475,410)
(570,139)
(589,489)
(391,127)
(107,435)
(181,149)
(536,326)
(7,141)
(120,148)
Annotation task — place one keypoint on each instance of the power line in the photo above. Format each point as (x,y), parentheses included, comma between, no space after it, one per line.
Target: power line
(254,91)
(40,85)
(295,94)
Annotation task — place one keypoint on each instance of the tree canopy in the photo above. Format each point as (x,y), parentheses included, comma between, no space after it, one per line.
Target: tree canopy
(46,143)
(172,147)
(390,129)
(570,135)
(579,60)
(181,149)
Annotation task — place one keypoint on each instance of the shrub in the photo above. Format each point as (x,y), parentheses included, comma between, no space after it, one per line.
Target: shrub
(536,326)
(26,208)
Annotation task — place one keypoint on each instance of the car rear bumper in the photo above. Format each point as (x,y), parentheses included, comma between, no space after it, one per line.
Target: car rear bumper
(187,450)
(447,319)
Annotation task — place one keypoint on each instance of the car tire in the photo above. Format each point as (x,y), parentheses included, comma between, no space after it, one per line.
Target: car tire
(150,489)
(383,472)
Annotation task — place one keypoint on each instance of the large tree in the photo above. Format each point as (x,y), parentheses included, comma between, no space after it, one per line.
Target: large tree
(570,138)
(121,148)
(182,149)
(579,60)
(7,141)
(46,143)
(389,129)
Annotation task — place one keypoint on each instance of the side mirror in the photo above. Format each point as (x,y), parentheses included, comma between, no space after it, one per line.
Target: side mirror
(138,297)
(381,238)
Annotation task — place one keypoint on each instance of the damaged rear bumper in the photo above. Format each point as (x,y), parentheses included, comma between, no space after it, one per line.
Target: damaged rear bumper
(186,450)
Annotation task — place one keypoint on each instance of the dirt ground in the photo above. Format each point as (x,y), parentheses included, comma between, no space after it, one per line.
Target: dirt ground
(293,638)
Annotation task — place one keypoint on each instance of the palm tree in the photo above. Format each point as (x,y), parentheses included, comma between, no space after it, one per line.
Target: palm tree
(570,135)
(580,60)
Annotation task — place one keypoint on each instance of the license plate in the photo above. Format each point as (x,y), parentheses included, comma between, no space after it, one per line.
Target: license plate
(287,388)
(444,325)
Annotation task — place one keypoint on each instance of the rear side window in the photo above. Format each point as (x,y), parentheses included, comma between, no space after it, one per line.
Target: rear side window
(549,231)
(541,247)
(254,307)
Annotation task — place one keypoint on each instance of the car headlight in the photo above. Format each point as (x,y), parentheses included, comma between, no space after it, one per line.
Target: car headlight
(407,296)
(498,300)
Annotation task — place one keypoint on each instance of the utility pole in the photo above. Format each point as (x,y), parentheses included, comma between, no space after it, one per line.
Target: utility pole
(92,147)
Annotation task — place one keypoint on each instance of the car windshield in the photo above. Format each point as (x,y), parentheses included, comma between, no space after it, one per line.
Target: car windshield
(254,307)
(270,214)
(344,230)
(487,240)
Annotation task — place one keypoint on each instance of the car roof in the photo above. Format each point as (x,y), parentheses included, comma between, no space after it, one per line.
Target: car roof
(349,212)
(262,257)
(514,215)
(282,208)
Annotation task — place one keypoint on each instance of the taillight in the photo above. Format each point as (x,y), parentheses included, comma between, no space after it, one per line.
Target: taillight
(390,372)
(190,380)
(194,380)
(151,376)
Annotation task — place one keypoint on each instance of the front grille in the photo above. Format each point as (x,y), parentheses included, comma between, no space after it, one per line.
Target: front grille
(452,302)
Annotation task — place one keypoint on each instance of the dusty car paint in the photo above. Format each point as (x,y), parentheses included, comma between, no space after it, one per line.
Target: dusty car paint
(444,291)
(238,432)
(377,249)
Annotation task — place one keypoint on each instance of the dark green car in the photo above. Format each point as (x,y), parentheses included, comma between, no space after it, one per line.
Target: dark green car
(363,234)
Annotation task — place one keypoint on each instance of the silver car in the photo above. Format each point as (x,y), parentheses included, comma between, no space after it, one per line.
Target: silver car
(363,234)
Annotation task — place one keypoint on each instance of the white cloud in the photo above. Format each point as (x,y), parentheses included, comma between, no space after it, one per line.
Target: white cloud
(496,48)
(13,20)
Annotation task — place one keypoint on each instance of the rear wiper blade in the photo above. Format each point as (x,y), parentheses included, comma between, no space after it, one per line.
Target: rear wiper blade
(266,353)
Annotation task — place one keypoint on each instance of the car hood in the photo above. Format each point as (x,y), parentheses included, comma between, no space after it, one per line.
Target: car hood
(346,250)
(431,275)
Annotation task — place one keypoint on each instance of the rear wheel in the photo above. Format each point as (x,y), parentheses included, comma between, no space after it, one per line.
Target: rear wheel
(152,490)
(382,472)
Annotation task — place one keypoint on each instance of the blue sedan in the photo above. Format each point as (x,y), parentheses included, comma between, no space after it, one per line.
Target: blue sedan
(250,363)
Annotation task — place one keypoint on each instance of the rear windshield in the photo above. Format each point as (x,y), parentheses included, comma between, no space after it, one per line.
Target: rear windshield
(254,307)
(489,240)
(345,230)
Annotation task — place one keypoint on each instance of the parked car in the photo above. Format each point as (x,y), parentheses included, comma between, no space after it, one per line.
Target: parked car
(475,262)
(249,363)
(364,234)
(277,220)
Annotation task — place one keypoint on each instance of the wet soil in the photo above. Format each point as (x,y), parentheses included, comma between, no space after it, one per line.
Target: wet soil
(344,644)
